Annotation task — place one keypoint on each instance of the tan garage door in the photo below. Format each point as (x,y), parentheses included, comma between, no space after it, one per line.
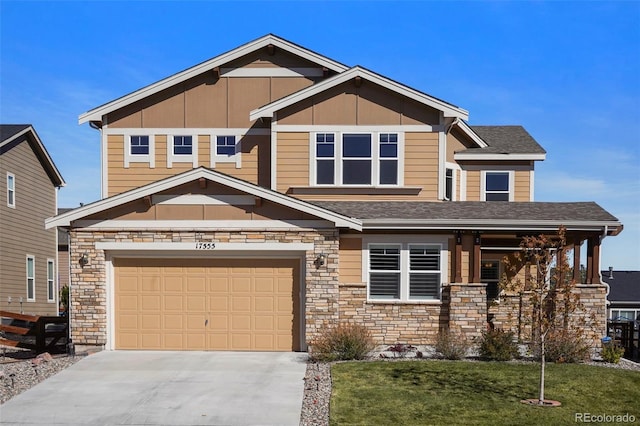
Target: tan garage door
(205,304)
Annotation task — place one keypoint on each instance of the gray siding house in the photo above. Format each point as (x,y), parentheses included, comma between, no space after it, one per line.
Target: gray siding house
(28,251)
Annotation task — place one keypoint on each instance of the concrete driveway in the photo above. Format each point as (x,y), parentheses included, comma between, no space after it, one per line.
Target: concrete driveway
(167,388)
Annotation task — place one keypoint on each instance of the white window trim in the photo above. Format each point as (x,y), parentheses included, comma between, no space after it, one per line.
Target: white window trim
(483,183)
(140,158)
(11,190)
(405,241)
(338,159)
(236,158)
(181,158)
(457,176)
(51,297)
(33,258)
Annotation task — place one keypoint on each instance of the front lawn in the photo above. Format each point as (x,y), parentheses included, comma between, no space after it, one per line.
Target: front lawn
(476,393)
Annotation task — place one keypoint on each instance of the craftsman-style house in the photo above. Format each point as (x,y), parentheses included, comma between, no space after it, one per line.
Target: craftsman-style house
(255,199)
(28,255)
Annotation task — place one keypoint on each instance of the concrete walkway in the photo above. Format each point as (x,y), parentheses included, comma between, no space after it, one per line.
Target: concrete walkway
(167,388)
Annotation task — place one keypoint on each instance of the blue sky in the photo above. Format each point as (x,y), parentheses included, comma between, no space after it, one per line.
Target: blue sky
(569,72)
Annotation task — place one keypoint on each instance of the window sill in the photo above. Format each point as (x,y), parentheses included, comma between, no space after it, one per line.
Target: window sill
(354,190)
(404,302)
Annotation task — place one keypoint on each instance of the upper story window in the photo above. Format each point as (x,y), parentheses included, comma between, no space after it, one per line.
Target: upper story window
(226,146)
(326,158)
(498,186)
(182,145)
(31,278)
(139,149)
(11,190)
(51,294)
(139,145)
(356,159)
(448,184)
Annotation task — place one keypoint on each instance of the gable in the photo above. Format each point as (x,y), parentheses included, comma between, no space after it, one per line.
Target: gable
(195,201)
(266,52)
(358,103)
(139,201)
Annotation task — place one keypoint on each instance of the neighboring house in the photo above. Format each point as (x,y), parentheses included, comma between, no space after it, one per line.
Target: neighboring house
(28,259)
(624,294)
(255,199)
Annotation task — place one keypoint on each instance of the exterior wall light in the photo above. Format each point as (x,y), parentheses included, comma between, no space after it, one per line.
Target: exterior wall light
(320,260)
(84,259)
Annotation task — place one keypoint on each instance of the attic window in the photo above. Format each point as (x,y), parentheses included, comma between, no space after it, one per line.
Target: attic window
(226,145)
(182,145)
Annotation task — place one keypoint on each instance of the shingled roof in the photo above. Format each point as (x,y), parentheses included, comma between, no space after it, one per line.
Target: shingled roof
(505,140)
(624,285)
(485,214)
(8,130)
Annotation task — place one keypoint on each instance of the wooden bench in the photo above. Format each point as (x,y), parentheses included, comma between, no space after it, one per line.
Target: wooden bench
(37,327)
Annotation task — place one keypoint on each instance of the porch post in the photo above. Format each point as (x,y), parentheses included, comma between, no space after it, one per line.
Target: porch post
(475,259)
(576,262)
(458,258)
(593,254)
(527,275)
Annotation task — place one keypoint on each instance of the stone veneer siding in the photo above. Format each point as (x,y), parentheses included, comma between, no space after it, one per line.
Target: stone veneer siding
(89,287)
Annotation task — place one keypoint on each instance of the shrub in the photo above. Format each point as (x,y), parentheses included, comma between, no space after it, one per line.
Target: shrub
(612,352)
(564,347)
(498,345)
(344,342)
(451,345)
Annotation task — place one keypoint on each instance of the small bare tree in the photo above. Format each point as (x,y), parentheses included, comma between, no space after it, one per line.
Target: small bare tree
(549,284)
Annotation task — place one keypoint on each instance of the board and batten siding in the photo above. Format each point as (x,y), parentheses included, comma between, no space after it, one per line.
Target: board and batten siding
(22,231)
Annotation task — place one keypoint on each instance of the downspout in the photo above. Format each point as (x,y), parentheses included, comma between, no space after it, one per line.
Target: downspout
(606,296)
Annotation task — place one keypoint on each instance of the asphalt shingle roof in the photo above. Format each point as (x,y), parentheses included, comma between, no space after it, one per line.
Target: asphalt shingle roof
(8,130)
(625,286)
(505,140)
(472,210)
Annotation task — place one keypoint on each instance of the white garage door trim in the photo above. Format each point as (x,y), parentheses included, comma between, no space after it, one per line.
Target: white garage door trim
(200,254)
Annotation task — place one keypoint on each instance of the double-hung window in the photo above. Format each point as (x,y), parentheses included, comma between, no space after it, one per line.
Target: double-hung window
(388,159)
(497,186)
(139,149)
(51,295)
(11,190)
(31,278)
(405,272)
(356,159)
(182,148)
(325,158)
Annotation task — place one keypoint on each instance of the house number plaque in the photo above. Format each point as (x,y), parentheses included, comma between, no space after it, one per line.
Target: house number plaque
(205,246)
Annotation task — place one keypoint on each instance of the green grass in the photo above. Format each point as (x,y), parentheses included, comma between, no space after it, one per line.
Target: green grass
(476,393)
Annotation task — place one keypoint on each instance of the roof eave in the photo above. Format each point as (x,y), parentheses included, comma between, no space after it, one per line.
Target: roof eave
(503,156)
(483,224)
(41,150)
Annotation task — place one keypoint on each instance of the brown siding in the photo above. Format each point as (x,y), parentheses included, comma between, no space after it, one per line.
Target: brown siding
(421,163)
(246,94)
(350,253)
(522,180)
(22,230)
(473,185)
(456,142)
(292,160)
(369,104)
(206,102)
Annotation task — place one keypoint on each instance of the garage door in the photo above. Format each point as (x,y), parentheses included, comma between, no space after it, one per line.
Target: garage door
(205,304)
